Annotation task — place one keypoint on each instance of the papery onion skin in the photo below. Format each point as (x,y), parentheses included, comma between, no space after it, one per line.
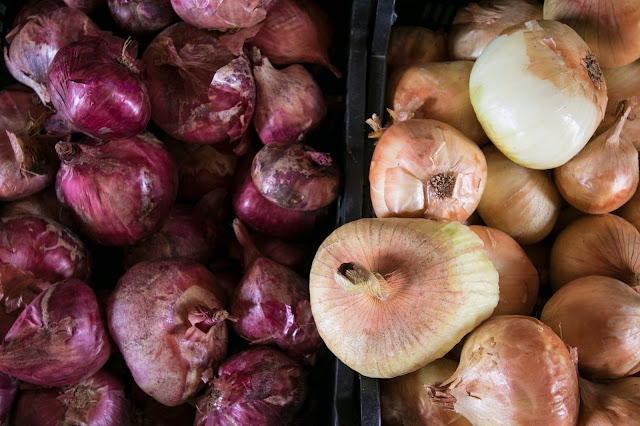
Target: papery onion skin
(513,370)
(630,211)
(222,15)
(33,7)
(600,317)
(439,91)
(404,400)
(415,45)
(539,76)
(87,6)
(429,268)
(44,247)
(623,83)
(426,168)
(119,192)
(604,245)
(168,322)
(609,404)
(475,25)
(518,276)
(8,391)
(522,202)
(142,17)
(258,386)
(59,339)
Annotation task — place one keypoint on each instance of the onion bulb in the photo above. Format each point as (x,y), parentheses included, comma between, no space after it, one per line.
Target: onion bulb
(600,316)
(630,211)
(604,245)
(475,25)
(538,92)
(517,200)
(415,45)
(609,404)
(426,168)
(513,370)
(391,295)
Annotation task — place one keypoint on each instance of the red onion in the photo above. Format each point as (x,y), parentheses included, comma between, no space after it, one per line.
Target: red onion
(272,304)
(222,14)
(31,8)
(200,92)
(259,386)
(296,255)
(149,412)
(59,339)
(86,6)
(296,177)
(227,276)
(141,17)
(43,204)
(120,192)
(296,31)
(40,32)
(96,401)
(44,247)
(289,103)
(8,390)
(96,87)
(168,322)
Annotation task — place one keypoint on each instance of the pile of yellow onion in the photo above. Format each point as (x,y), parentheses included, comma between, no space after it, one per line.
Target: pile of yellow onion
(498,282)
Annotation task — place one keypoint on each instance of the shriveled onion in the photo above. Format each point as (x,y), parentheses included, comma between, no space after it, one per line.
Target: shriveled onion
(623,83)
(475,25)
(604,245)
(517,200)
(599,316)
(609,404)
(426,168)
(415,45)
(391,295)
(538,92)
(513,370)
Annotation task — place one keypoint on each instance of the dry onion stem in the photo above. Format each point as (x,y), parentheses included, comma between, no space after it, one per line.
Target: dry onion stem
(623,83)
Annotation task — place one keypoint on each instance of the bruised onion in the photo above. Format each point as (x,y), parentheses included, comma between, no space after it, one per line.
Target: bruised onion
(222,15)
(289,102)
(200,92)
(391,295)
(513,370)
(609,404)
(415,45)
(258,386)
(426,168)
(600,317)
(59,339)
(96,86)
(169,325)
(141,17)
(119,192)
(87,6)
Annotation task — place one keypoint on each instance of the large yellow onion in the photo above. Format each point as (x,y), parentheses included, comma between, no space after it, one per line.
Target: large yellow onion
(391,295)
(600,316)
(610,404)
(538,92)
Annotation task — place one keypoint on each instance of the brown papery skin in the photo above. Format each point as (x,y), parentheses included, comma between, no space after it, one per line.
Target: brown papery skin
(440,91)
(631,210)
(415,45)
(522,202)
(623,83)
(600,316)
(405,400)
(604,245)
(407,159)
(518,277)
(610,404)
(513,370)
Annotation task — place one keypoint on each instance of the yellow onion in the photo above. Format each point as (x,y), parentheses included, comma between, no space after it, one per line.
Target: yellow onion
(630,211)
(600,316)
(518,277)
(405,400)
(391,295)
(604,245)
(623,83)
(513,370)
(611,28)
(437,90)
(604,175)
(517,200)
(538,92)
(415,45)
(426,168)
(475,25)
(609,404)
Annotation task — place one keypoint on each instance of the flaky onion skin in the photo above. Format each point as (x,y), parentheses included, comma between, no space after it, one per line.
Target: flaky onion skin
(222,15)
(426,168)
(609,404)
(391,295)
(513,370)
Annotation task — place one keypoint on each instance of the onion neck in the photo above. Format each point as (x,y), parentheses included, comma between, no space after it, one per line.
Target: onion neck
(623,113)
(66,151)
(356,278)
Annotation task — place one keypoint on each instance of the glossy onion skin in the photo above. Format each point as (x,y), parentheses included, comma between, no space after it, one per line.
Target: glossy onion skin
(142,17)
(222,15)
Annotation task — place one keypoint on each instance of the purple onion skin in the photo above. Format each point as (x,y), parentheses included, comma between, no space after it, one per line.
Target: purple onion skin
(98,89)
(119,192)
(259,386)
(59,339)
(142,17)
(37,40)
(31,8)
(168,321)
(96,401)
(47,249)
(222,14)
(87,6)
(296,255)
(8,390)
(186,69)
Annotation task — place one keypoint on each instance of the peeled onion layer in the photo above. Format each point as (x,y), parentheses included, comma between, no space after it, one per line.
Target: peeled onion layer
(538,92)
(142,17)
(415,45)
(609,404)
(222,15)
(391,295)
